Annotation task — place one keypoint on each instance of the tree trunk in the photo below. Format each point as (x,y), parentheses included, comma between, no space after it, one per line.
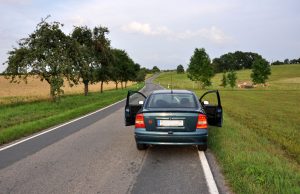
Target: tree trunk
(101,87)
(116,85)
(122,85)
(126,84)
(86,89)
(52,93)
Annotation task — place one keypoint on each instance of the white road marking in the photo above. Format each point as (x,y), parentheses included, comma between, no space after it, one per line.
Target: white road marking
(52,129)
(212,187)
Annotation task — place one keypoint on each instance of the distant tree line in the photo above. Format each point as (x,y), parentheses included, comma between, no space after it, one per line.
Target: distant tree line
(235,61)
(286,62)
(84,56)
(201,69)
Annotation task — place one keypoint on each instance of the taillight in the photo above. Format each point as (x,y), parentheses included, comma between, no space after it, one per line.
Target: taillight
(202,122)
(139,121)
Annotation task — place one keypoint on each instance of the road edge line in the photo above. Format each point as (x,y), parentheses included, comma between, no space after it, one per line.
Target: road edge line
(212,186)
(61,125)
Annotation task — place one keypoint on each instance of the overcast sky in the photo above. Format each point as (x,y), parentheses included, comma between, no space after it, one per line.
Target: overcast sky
(166,32)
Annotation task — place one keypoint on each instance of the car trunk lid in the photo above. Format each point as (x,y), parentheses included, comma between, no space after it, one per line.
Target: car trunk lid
(177,121)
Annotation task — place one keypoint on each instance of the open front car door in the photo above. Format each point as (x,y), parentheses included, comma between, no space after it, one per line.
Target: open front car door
(211,103)
(134,103)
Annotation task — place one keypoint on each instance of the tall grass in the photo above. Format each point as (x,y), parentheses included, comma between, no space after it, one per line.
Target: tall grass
(259,145)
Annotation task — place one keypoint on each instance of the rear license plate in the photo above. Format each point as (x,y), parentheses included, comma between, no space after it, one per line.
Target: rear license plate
(170,123)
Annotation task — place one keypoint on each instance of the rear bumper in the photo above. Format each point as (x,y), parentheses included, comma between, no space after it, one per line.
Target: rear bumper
(198,137)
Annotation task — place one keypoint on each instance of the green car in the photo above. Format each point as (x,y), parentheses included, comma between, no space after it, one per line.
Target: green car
(172,117)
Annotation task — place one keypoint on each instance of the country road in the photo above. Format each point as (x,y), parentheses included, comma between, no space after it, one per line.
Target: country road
(97,154)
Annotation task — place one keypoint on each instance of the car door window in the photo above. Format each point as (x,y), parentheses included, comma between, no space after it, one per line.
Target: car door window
(211,103)
(134,103)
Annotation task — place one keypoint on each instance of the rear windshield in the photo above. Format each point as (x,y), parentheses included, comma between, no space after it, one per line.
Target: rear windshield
(172,101)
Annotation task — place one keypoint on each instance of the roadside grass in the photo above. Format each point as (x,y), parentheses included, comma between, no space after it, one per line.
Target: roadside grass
(258,146)
(25,118)
(251,163)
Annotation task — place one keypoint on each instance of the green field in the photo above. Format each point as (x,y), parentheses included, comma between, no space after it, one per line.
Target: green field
(258,146)
(22,119)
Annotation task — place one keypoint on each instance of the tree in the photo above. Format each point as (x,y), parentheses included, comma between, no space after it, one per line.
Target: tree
(231,76)
(155,69)
(180,69)
(260,71)
(123,68)
(103,55)
(200,69)
(286,61)
(46,53)
(102,74)
(277,63)
(141,75)
(224,80)
(114,69)
(234,61)
(84,63)
(138,74)
(295,61)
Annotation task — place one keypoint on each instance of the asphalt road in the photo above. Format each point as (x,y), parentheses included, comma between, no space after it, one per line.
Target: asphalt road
(97,154)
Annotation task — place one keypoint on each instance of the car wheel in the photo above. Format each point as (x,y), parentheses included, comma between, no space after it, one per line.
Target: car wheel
(141,146)
(202,147)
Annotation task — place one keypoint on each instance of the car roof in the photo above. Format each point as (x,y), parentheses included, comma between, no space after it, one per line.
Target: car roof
(172,91)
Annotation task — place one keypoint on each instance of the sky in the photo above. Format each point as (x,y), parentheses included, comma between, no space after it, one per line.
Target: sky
(165,33)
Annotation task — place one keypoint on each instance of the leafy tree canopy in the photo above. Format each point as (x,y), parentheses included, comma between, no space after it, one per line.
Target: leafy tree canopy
(200,69)
(84,60)
(180,69)
(234,61)
(231,76)
(224,80)
(155,69)
(260,71)
(47,53)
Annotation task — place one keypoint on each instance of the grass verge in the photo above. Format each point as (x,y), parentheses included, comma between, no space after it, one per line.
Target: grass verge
(258,146)
(23,119)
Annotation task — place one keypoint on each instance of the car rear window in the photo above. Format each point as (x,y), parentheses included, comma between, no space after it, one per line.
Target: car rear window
(172,101)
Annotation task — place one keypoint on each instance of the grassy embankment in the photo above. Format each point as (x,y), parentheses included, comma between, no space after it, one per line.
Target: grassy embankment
(258,146)
(24,118)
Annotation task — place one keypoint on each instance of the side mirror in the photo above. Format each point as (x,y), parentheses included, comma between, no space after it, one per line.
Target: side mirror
(141,102)
(205,102)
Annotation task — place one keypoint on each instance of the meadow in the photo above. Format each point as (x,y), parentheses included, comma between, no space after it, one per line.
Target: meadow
(258,147)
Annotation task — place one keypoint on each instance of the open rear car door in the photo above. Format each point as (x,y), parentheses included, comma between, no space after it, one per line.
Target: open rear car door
(134,103)
(214,111)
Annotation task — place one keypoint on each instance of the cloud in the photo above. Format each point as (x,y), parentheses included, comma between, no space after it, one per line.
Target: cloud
(212,34)
(145,29)
(16,2)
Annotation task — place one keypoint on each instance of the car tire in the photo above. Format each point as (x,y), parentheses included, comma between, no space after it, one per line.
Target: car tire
(202,147)
(141,146)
